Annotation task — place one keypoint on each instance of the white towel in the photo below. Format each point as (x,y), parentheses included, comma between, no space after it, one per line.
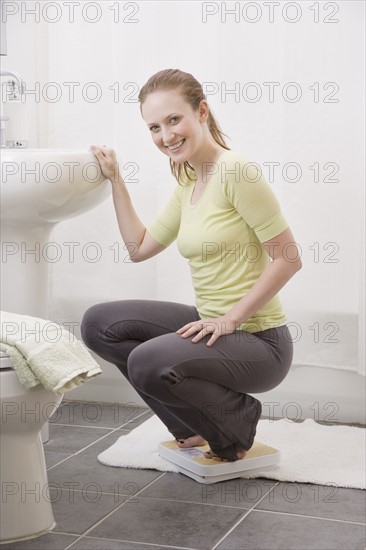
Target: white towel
(43,352)
(310,452)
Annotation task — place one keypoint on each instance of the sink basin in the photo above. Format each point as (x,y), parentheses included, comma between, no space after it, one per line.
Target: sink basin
(50,185)
(39,189)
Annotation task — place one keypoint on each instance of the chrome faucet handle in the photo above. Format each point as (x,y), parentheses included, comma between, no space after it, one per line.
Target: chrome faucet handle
(16,89)
(14,78)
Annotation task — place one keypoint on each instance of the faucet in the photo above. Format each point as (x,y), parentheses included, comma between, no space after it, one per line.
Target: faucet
(15,79)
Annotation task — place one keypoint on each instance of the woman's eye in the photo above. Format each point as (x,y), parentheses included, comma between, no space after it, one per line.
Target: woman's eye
(152,128)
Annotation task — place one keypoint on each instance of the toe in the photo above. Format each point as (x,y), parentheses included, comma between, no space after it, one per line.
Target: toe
(209,454)
(214,456)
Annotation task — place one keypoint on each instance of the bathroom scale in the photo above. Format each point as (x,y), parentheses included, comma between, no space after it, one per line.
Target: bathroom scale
(192,462)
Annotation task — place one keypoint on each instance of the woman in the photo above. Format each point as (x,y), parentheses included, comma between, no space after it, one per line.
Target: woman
(194,365)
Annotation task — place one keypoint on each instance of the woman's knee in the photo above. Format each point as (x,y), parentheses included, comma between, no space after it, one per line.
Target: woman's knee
(145,371)
(91,328)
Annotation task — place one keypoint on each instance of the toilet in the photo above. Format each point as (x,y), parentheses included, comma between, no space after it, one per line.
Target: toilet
(26,510)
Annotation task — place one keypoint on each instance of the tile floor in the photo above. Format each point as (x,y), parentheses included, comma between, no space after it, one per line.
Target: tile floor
(104,508)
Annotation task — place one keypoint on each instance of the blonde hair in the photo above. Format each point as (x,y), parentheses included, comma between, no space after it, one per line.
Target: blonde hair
(192,93)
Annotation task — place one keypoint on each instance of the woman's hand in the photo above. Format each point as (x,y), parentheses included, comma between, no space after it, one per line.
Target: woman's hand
(107,160)
(218,327)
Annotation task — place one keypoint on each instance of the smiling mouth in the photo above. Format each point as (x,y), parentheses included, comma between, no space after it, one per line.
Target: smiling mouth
(176,146)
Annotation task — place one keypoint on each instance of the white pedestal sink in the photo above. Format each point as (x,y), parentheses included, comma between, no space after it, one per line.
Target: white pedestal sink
(39,189)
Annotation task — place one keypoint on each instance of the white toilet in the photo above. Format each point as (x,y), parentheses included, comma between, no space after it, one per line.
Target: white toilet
(25,510)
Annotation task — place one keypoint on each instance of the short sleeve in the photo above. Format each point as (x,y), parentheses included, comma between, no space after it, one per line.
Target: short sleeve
(251,195)
(165,227)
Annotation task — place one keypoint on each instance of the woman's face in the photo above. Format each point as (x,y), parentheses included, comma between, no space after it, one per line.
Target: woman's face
(171,121)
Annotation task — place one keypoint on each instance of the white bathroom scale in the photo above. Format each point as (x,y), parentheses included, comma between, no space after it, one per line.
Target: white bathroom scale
(194,464)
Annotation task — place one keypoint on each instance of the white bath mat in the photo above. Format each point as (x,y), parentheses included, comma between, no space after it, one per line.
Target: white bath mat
(310,452)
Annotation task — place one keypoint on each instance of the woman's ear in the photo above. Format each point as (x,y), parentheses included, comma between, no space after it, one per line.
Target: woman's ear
(203,110)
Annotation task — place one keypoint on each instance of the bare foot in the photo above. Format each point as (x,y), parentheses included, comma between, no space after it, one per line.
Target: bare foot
(240,453)
(194,441)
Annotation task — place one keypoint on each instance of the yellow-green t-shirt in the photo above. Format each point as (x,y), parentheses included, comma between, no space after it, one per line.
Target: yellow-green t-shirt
(220,236)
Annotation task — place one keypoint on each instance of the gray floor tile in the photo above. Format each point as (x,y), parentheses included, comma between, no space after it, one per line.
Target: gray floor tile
(54,458)
(273,531)
(51,541)
(87,543)
(76,511)
(102,415)
(137,421)
(84,468)
(70,439)
(317,500)
(242,493)
(145,414)
(166,522)
(176,510)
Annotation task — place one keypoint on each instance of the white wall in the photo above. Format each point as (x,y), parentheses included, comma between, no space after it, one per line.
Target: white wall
(324,216)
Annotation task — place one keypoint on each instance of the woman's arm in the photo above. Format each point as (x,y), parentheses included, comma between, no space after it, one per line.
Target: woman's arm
(286,262)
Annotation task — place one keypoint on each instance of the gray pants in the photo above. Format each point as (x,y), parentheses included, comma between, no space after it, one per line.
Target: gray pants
(193,388)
